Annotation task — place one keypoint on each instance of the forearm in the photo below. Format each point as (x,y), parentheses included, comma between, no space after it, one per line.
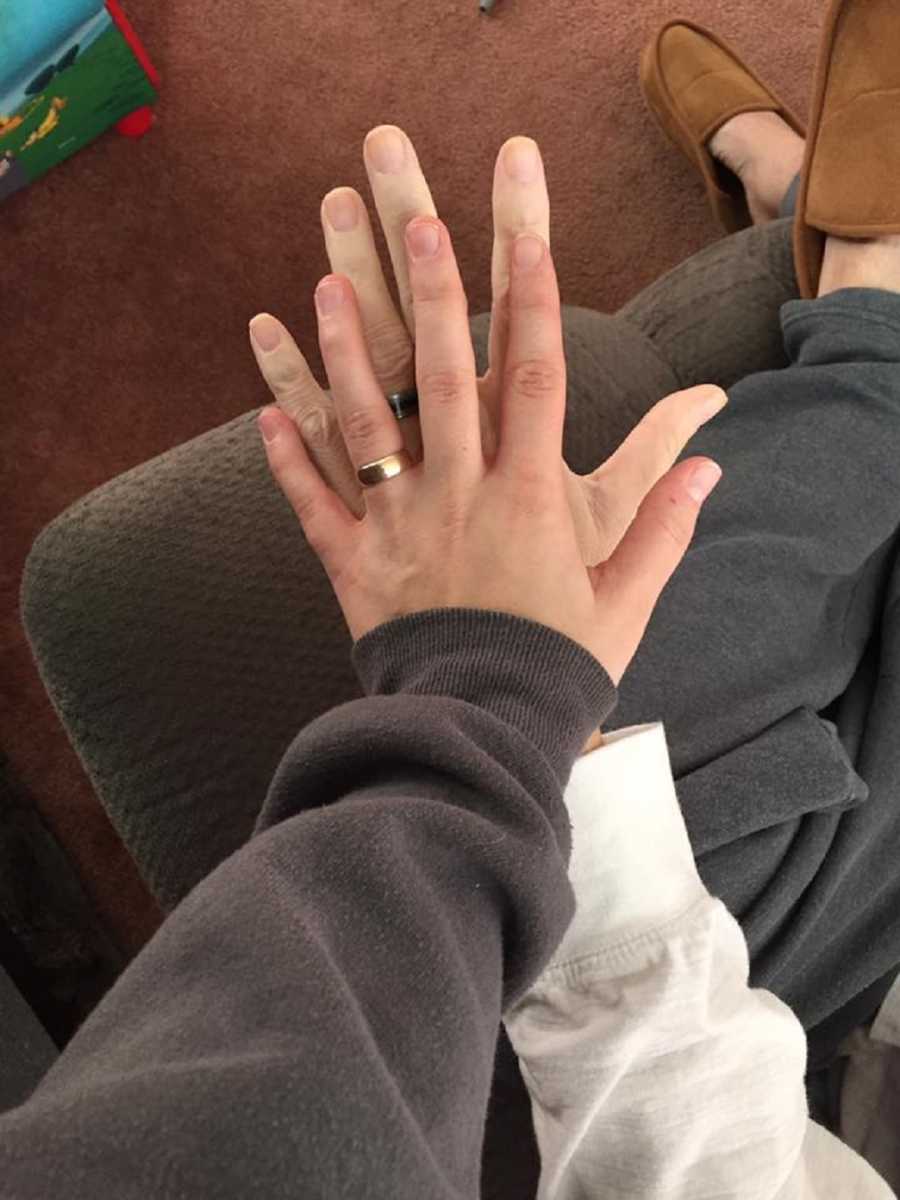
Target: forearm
(324,1007)
(283,1027)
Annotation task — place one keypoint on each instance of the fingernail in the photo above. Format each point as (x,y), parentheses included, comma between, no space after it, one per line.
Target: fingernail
(423,239)
(269,424)
(521,161)
(714,403)
(703,480)
(329,296)
(266,332)
(387,150)
(528,251)
(342,211)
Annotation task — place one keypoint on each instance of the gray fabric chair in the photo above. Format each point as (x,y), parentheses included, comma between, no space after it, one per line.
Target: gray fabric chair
(26,1050)
(185,631)
(54,953)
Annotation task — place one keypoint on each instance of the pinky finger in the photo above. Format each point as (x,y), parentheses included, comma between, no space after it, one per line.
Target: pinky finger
(327,523)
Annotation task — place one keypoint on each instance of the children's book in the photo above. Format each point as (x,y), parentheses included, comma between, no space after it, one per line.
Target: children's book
(69,69)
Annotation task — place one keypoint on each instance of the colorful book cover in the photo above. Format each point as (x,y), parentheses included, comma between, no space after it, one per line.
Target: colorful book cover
(68,71)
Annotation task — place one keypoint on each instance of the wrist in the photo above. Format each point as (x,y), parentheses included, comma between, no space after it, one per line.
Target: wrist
(529,675)
(595,740)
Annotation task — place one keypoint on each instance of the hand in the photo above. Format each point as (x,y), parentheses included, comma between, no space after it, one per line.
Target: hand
(460,529)
(400,194)
(518,206)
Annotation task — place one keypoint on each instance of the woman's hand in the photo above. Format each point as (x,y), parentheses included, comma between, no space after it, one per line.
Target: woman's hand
(466,529)
(520,205)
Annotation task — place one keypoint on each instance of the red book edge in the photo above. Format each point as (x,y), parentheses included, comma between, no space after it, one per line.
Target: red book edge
(115,11)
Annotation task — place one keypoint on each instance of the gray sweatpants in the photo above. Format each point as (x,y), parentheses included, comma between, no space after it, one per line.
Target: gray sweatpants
(767,619)
(761,630)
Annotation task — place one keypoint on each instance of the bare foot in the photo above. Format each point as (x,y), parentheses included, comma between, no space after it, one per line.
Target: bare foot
(858,263)
(765,153)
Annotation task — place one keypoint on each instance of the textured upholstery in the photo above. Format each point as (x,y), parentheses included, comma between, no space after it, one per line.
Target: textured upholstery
(26,1051)
(185,632)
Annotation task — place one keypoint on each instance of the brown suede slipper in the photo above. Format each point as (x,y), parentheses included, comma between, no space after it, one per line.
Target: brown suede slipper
(851,171)
(693,82)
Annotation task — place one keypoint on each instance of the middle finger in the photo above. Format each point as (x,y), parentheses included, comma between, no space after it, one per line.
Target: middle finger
(370,429)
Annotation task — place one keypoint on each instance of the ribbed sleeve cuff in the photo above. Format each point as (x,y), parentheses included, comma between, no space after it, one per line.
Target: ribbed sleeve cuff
(534,678)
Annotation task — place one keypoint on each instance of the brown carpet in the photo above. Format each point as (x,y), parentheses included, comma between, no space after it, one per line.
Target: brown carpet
(130,272)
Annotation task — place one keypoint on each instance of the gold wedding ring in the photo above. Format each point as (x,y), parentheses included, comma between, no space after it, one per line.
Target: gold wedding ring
(384,468)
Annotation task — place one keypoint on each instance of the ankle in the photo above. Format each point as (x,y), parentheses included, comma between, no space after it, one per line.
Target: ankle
(736,143)
(765,153)
(858,263)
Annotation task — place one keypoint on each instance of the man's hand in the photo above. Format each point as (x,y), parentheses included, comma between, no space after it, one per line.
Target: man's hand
(401,192)
(520,205)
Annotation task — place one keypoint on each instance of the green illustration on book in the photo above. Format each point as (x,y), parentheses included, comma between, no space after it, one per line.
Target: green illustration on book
(69,73)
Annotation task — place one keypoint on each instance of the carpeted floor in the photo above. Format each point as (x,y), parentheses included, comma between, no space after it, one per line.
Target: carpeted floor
(129,273)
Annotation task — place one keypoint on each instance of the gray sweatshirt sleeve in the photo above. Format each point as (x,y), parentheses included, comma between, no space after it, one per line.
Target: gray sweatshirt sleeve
(318,1017)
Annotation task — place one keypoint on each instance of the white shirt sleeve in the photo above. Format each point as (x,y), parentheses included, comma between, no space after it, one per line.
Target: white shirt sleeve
(655,1071)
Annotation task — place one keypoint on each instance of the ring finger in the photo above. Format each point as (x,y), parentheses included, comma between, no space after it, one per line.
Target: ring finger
(370,429)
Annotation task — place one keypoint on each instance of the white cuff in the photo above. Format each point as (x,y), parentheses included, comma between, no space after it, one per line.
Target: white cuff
(632,866)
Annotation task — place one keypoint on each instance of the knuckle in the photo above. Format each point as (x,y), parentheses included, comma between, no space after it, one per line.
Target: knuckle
(446,387)
(530,476)
(440,302)
(318,427)
(454,519)
(285,373)
(535,296)
(299,398)
(392,354)
(361,425)
(437,286)
(535,491)
(536,379)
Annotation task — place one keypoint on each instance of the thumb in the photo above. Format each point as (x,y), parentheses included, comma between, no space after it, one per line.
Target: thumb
(631,581)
